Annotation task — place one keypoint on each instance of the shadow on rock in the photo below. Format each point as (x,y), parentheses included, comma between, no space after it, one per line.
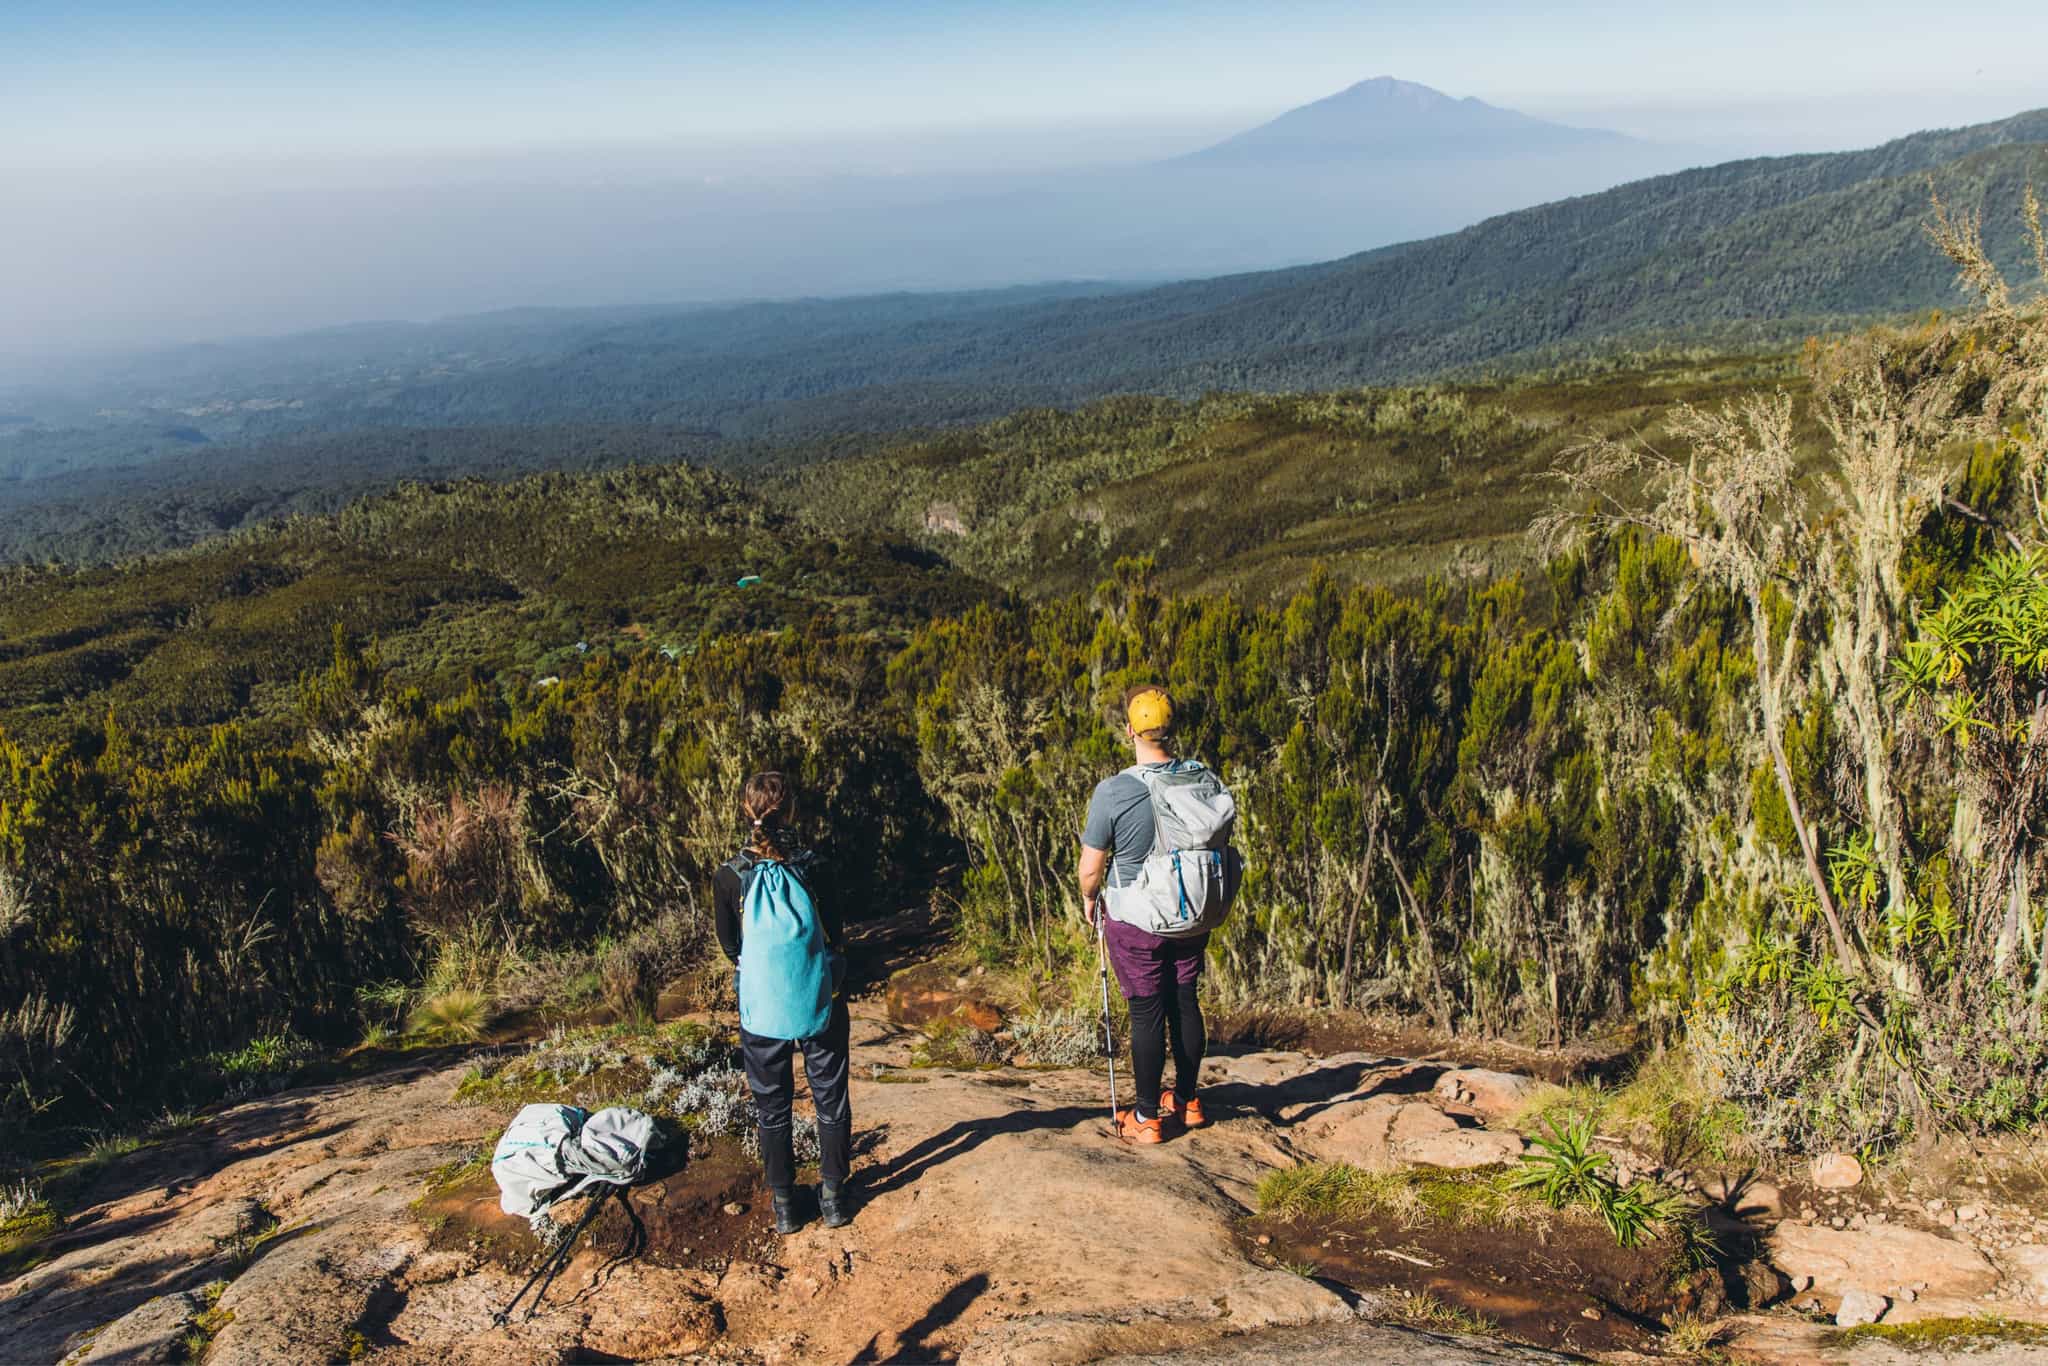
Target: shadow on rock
(913,1343)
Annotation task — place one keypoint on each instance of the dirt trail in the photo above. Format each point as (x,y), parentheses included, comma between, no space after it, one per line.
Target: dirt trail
(1000,1223)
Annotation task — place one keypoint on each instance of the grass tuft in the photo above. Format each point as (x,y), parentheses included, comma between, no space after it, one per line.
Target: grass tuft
(955,1045)
(377,1036)
(460,1015)
(1662,1109)
(1420,1309)
(107,1146)
(1414,1196)
(1692,1337)
(207,1324)
(26,1217)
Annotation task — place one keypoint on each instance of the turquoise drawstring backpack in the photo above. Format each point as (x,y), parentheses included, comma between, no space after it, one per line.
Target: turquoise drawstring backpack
(785,969)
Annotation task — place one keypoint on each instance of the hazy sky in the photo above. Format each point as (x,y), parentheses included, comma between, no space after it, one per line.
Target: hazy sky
(181,169)
(86,84)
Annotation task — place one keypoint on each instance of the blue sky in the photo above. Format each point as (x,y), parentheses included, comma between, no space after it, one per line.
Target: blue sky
(88,84)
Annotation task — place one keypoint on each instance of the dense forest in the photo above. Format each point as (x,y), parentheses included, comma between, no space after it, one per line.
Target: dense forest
(1738,257)
(1752,759)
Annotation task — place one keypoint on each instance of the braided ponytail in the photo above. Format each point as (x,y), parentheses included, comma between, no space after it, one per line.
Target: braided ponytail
(767,803)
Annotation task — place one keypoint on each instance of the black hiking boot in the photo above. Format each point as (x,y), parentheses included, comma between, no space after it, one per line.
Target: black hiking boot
(787,1220)
(835,1204)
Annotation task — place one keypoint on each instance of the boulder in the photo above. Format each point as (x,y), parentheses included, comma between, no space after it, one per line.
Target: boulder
(1860,1307)
(1870,1259)
(1489,1096)
(928,994)
(1836,1171)
(299,1300)
(1383,1132)
(153,1331)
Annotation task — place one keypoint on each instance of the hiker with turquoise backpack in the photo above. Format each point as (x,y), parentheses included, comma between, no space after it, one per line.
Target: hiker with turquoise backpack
(1157,875)
(779,922)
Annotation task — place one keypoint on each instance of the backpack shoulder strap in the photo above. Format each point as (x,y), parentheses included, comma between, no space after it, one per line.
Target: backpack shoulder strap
(1149,777)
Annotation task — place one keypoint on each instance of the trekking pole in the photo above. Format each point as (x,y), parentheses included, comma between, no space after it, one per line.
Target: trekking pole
(556,1260)
(1108,1040)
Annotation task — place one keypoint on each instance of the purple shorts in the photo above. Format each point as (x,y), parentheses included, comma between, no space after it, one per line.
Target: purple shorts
(1147,965)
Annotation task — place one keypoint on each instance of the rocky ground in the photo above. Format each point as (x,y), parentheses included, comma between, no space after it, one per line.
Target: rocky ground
(1000,1224)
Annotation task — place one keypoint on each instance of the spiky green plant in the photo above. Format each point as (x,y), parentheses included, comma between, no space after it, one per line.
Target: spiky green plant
(1564,1167)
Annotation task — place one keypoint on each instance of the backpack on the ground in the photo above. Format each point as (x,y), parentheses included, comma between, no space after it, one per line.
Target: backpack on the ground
(1192,874)
(787,974)
(552,1152)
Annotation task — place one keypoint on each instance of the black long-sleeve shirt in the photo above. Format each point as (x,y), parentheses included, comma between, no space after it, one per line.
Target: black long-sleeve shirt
(725,903)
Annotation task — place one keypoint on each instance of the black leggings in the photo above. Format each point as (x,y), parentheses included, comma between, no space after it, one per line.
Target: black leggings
(1151,1022)
(772,1079)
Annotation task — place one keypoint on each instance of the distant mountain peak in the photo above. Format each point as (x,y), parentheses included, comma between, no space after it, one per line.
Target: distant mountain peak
(1386,118)
(1395,87)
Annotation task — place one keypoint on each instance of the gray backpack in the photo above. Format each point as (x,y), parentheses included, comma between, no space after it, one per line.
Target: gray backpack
(1192,874)
(552,1152)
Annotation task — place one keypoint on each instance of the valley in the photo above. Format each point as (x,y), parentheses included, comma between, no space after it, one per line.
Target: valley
(1738,258)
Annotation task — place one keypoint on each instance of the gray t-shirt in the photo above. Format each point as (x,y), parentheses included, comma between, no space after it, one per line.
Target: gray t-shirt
(1120,820)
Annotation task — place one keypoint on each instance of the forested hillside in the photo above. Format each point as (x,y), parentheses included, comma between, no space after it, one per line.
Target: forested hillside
(1750,254)
(504,583)
(1245,493)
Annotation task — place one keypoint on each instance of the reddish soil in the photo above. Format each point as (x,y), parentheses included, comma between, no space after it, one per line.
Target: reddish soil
(678,1220)
(1567,1288)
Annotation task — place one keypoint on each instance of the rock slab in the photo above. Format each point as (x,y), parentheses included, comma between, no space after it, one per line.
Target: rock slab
(152,1332)
(1379,1133)
(1489,1096)
(1843,1260)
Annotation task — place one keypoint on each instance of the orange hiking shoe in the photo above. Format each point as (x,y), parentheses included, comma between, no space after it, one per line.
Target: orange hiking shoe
(1189,1113)
(1131,1129)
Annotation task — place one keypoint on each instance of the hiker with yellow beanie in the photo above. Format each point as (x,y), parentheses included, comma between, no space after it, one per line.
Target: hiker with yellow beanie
(1157,874)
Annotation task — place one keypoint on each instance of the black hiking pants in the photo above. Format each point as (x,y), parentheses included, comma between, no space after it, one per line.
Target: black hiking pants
(1173,1011)
(772,1079)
